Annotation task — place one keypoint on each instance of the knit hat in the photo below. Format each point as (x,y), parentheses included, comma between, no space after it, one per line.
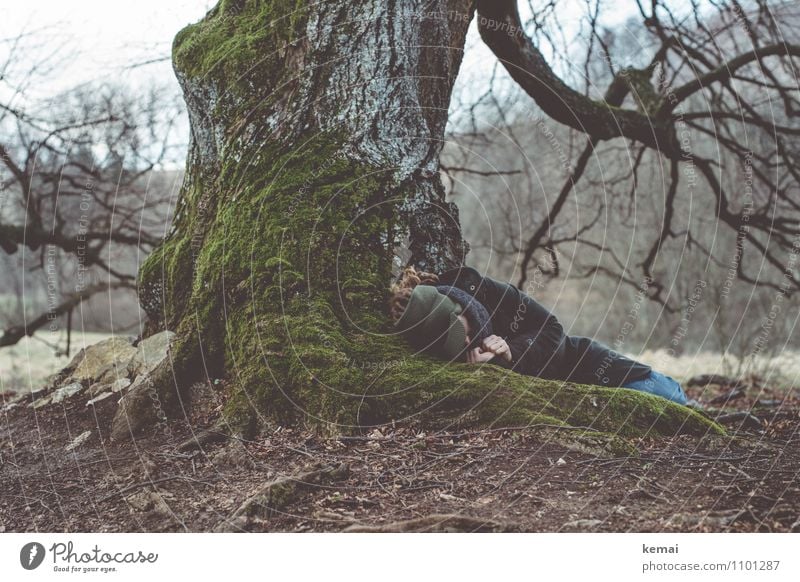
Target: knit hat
(480,322)
(430,323)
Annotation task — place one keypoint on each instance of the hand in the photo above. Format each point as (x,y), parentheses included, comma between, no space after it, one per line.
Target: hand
(479,356)
(497,345)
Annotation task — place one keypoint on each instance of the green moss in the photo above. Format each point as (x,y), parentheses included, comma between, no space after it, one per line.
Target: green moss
(278,269)
(167,273)
(300,350)
(283,229)
(240,42)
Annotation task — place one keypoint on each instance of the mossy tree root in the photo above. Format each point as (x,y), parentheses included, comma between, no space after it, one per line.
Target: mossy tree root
(313,156)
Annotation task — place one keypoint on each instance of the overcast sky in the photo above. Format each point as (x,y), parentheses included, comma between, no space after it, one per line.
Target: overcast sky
(103,36)
(100,40)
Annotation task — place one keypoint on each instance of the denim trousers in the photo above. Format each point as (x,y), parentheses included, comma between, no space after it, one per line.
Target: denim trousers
(660,385)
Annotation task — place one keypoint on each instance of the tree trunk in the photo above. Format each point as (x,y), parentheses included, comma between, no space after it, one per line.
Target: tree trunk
(316,132)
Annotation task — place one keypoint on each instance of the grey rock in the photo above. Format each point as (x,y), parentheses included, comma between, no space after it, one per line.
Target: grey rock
(98,398)
(65,392)
(58,396)
(103,362)
(138,409)
(120,385)
(40,402)
(79,440)
(116,386)
(19,397)
(150,353)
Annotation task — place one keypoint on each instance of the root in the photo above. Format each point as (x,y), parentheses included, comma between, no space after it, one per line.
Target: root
(279,494)
(440,523)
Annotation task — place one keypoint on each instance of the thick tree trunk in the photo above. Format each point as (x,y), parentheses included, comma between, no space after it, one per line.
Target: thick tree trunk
(316,132)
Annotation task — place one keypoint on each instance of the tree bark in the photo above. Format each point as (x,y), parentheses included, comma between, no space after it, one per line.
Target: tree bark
(316,132)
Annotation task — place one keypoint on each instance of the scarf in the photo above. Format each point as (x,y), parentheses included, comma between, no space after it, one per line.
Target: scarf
(479,322)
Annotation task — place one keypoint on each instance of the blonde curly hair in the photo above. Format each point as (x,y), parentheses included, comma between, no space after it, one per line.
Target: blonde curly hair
(401,291)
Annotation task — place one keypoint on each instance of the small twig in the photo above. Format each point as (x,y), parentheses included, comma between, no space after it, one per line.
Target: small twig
(642,491)
(658,486)
(738,470)
(601,461)
(42,503)
(84,465)
(146,483)
(263,446)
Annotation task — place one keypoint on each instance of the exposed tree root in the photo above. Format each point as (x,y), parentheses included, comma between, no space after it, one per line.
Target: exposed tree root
(280,493)
(440,523)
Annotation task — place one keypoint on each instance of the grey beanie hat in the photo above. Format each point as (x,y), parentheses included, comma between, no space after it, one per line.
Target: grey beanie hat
(430,323)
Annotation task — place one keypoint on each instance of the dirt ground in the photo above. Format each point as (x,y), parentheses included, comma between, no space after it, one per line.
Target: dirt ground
(492,480)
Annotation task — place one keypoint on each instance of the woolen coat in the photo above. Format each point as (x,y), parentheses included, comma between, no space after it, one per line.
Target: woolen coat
(538,344)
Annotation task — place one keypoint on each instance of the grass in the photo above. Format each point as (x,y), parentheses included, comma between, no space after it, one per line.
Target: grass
(782,371)
(27,364)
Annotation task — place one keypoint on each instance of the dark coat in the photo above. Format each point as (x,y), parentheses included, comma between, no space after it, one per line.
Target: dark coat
(538,344)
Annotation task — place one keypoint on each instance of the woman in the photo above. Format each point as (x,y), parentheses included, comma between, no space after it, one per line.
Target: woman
(462,315)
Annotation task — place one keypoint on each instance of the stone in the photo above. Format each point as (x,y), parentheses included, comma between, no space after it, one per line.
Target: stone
(65,392)
(59,395)
(19,397)
(138,409)
(97,388)
(279,493)
(79,440)
(10,405)
(117,385)
(150,353)
(103,362)
(120,385)
(98,398)
(39,402)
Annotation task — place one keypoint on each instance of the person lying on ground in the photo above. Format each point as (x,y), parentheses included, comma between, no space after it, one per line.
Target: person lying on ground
(460,315)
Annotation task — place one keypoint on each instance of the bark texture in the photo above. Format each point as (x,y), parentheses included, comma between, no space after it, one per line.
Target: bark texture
(316,132)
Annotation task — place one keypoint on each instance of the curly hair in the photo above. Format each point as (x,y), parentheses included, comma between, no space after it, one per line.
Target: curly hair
(401,291)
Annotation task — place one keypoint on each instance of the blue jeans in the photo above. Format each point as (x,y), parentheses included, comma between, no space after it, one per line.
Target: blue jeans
(660,385)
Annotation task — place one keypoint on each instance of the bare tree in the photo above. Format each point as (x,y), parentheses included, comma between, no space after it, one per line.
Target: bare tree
(707,97)
(609,218)
(81,193)
(316,134)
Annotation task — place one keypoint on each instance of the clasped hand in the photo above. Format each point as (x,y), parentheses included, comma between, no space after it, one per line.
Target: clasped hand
(491,346)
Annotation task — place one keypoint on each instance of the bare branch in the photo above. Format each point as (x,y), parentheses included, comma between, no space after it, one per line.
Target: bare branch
(13,334)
